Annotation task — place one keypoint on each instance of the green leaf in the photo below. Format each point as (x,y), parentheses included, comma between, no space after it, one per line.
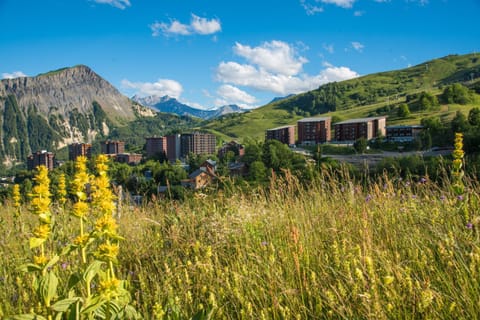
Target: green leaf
(69,248)
(92,304)
(64,305)
(36,242)
(47,288)
(29,267)
(73,279)
(92,270)
(29,316)
(51,262)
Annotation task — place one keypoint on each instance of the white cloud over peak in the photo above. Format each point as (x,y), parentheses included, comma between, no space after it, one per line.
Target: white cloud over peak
(275,56)
(13,75)
(198,25)
(231,94)
(340,3)
(163,87)
(357,46)
(121,4)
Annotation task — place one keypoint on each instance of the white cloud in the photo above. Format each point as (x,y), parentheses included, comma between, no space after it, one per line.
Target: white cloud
(260,79)
(310,9)
(205,26)
(232,94)
(15,74)
(357,46)
(163,87)
(420,2)
(121,4)
(340,3)
(197,25)
(329,48)
(275,67)
(275,56)
(173,28)
(358,13)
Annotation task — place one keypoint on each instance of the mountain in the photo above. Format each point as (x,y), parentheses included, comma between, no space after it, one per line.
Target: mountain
(369,95)
(51,110)
(171,105)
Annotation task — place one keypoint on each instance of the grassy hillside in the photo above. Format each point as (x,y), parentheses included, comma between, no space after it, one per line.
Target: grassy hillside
(361,97)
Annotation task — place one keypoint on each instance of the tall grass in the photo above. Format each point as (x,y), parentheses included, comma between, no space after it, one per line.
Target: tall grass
(394,249)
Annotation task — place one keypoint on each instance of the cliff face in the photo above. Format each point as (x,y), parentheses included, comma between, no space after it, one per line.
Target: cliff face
(54,109)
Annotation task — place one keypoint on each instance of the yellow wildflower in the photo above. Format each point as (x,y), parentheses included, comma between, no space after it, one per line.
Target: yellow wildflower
(16,197)
(40,260)
(80,209)
(42,231)
(81,240)
(107,252)
(107,225)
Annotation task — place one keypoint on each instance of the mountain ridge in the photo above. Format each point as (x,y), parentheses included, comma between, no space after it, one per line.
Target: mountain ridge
(172,105)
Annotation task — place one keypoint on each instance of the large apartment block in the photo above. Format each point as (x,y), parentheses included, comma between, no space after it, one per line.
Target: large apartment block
(197,143)
(156,146)
(113,147)
(354,129)
(285,134)
(173,147)
(76,150)
(312,131)
(39,158)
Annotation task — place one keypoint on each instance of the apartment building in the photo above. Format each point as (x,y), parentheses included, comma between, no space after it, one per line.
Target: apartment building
(39,158)
(403,133)
(353,129)
(113,147)
(285,134)
(312,131)
(76,150)
(197,143)
(155,146)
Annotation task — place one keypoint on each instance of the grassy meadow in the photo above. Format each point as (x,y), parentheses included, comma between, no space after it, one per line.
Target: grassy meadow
(332,249)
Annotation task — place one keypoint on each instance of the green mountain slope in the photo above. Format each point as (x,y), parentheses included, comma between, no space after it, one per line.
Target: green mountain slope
(374,94)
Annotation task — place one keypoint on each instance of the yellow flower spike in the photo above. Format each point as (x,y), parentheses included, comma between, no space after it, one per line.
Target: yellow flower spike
(107,225)
(80,209)
(62,189)
(16,197)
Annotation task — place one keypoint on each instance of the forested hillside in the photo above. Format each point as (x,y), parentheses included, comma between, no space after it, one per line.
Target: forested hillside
(370,95)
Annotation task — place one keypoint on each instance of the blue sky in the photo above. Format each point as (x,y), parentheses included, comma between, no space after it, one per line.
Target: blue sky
(209,53)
